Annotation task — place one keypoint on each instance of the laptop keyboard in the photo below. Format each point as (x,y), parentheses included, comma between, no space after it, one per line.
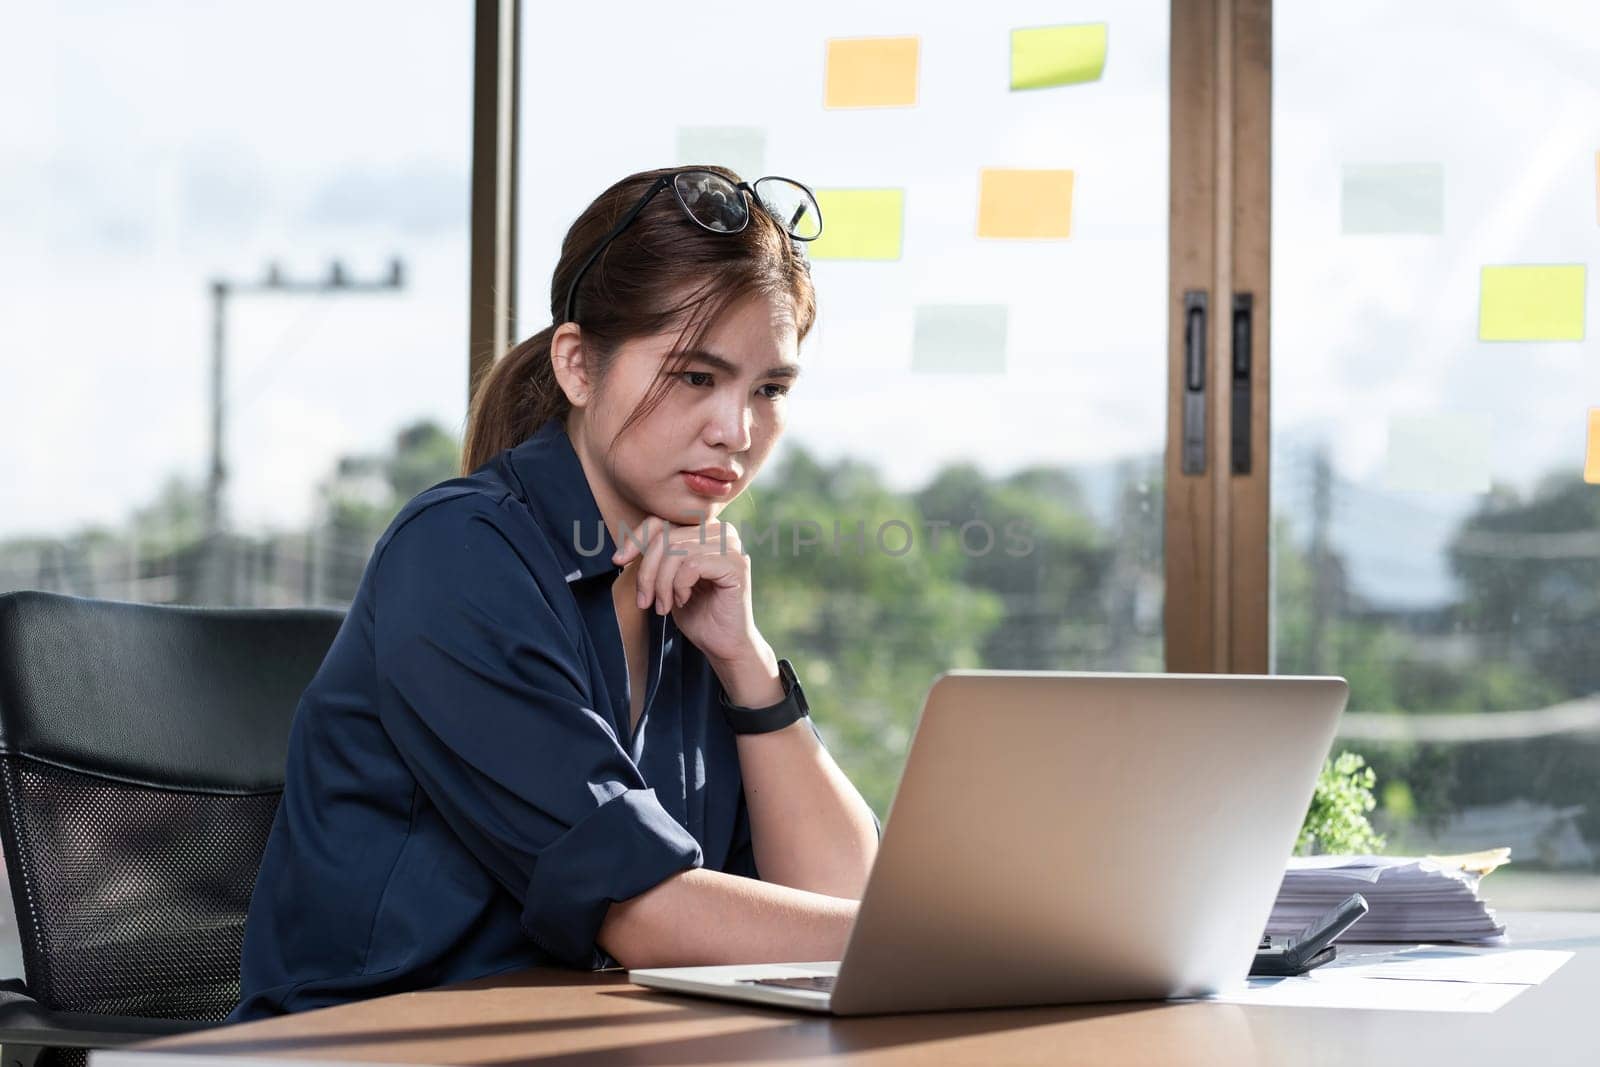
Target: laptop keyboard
(822,983)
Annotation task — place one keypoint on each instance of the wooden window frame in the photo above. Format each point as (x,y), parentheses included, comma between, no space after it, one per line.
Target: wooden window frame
(492,255)
(1217,547)
(1217,523)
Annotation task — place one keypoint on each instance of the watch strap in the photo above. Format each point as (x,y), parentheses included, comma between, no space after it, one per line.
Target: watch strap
(792,707)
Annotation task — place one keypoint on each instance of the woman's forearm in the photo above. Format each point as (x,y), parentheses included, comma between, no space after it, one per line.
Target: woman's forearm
(701,917)
(810,827)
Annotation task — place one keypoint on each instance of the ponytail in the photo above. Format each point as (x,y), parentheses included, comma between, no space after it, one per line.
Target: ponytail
(516,396)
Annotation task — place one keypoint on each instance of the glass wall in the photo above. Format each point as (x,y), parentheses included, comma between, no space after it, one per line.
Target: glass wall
(283,188)
(990,350)
(277,191)
(1437,538)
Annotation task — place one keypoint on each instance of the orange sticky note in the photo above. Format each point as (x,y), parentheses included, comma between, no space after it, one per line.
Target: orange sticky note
(1024,203)
(1591,462)
(871,72)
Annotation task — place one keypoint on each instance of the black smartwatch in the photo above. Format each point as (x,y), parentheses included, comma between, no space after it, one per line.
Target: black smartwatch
(777,716)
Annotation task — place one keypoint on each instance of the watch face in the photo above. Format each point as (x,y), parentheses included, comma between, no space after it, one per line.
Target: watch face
(791,684)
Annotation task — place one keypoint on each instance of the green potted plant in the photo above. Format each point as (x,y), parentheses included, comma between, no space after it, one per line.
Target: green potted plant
(1336,822)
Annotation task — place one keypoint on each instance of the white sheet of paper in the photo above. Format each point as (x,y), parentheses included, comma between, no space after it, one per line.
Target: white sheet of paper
(1372,993)
(1339,866)
(1438,963)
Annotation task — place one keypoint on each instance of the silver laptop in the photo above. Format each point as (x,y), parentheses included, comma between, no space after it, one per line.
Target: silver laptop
(1062,837)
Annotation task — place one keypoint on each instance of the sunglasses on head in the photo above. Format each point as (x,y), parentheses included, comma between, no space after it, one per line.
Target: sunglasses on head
(721,206)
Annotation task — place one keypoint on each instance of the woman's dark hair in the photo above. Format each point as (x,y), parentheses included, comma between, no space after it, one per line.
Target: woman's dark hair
(662,270)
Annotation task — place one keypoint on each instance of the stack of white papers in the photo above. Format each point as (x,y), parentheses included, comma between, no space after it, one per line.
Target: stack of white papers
(1429,898)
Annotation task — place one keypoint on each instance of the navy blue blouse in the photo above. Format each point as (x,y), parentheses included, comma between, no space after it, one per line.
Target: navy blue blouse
(464,795)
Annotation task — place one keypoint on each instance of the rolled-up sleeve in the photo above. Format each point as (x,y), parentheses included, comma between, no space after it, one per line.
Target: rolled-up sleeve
(485,695)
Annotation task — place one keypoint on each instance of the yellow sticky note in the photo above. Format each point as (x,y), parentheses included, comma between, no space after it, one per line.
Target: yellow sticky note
(1043,57)
(1531,303)
(1024,203)
(871,72)
(859,224)
(1591,462)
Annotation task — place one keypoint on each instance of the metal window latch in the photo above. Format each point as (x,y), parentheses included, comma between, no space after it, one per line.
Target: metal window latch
(1243,312)
(1194,381)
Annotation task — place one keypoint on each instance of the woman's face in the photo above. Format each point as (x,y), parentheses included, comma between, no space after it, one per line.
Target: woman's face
(722,413)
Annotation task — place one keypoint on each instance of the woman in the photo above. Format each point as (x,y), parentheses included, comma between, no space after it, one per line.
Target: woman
(549,731)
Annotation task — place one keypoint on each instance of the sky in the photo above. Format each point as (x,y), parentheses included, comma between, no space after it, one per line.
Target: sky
(177,143)
(169,144)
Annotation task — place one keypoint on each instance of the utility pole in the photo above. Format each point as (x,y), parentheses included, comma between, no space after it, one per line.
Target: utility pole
(216,579)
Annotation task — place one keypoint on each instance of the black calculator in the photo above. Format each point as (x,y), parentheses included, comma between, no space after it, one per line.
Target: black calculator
(1312,947)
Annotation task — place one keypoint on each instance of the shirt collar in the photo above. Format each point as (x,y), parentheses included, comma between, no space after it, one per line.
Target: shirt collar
(557,491)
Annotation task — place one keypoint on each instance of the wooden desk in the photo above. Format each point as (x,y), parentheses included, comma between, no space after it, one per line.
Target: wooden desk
(574,1017)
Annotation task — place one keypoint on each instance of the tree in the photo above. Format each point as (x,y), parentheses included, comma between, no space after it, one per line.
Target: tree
(1530,571)
(870,622)
(1046,561)
(174,519)
(365,492)
(1388,663)
(425,454)
(1416,664)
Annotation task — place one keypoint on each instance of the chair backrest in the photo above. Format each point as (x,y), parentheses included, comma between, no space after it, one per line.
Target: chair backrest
(142,752)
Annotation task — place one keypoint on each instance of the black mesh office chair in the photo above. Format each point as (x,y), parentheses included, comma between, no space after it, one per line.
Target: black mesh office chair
(141,760)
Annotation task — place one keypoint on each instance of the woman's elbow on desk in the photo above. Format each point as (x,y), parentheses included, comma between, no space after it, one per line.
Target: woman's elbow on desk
(700,917)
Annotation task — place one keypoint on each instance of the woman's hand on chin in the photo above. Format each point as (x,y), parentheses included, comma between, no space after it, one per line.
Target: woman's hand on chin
(701,575)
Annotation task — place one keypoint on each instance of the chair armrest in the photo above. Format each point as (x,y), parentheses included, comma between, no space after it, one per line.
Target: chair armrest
(24,1022)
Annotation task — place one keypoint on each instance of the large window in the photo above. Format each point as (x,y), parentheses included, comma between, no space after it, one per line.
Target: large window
(168,164)
(234,336)
(953,375)
(1435,228)
(160,163)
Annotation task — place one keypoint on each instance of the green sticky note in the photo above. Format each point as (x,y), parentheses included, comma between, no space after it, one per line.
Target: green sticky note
(963,338)
(1393,198)
(1446,452)
(1043,57)
(859,224)
(742,149)
(1532,303)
